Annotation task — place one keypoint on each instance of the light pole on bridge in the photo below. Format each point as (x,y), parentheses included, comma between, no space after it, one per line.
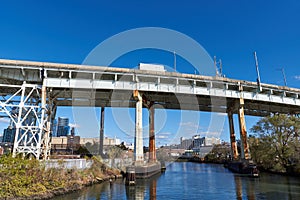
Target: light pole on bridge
(257,71)
(283,74)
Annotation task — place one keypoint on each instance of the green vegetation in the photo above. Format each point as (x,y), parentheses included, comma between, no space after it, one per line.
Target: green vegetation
(276,145)
(163,155)
(218,154)
(24,178)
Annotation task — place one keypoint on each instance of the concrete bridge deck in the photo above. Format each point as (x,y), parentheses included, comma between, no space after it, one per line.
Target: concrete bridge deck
(80,85)
(31,91)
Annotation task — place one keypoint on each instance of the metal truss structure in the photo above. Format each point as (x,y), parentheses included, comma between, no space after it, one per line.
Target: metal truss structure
(29,115)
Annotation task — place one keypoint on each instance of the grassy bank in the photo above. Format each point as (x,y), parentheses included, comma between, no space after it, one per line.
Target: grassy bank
(29,179)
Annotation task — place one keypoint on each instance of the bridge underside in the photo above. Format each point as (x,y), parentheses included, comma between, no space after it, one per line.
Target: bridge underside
(121,98)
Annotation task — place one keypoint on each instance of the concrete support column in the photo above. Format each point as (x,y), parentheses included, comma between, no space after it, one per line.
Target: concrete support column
(46,135)
(47,142)
(152,149)
(243,133)
(138,139)
(234,152)
(101,139)
(48,132)
(45,126)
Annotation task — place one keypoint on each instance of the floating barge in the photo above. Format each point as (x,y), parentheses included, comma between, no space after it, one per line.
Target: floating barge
(243,167)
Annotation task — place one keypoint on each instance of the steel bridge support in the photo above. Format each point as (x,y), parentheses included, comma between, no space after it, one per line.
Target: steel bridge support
(234,151)
(152,149)
(27,110)
(243,133)
(138,139)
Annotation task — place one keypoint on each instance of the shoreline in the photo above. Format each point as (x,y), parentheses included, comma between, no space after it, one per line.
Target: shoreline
(62,191)
(289,174)
(29,179)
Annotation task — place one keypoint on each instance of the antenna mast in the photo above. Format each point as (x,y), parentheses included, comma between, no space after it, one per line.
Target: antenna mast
(221,67)
(215,65)
(218,67)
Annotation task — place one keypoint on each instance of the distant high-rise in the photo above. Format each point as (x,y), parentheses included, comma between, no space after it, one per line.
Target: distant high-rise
(63,127)
(54,128)
(73,131)
(63,121)
(9,135)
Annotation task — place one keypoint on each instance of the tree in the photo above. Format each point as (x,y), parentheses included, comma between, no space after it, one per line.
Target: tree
(83,151)
(122,146)
(277,146)
(218,154)
(93,148)
(113,153)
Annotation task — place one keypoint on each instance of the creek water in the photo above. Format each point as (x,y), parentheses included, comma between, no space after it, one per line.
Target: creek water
(186,180)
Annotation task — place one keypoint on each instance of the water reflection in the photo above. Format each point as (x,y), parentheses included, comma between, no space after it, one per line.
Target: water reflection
(248,186)
(153,190)
(194,181)
(268,186)
(238,187)
(144,189)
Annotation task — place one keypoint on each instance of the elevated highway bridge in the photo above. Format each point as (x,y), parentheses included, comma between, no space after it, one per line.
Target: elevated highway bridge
(31,91)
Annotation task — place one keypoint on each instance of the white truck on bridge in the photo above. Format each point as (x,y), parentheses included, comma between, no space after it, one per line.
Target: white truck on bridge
(152,67)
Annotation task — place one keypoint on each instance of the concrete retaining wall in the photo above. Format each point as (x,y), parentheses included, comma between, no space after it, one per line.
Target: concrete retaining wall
(68,163)
(118,163)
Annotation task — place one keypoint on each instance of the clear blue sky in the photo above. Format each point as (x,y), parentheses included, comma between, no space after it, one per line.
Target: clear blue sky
(66,31)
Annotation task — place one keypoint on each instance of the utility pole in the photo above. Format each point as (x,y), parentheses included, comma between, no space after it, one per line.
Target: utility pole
(257,71)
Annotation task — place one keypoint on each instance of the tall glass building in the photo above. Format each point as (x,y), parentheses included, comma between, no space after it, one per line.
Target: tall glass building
(9,135)
(63,127)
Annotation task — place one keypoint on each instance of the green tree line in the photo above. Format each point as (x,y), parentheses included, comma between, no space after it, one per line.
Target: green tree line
(275,145)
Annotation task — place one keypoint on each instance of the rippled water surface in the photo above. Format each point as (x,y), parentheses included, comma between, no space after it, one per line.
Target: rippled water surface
(185,180)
